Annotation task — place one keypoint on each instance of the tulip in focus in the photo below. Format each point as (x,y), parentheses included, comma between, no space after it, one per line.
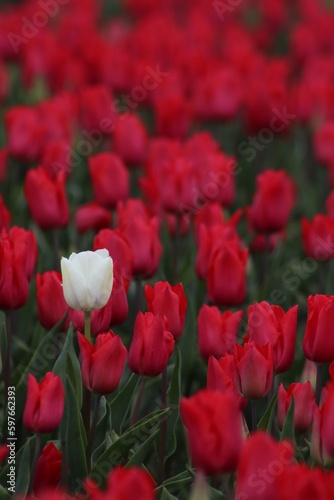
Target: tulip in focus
(44,405)
(221,377)
(87,279)
(322,442)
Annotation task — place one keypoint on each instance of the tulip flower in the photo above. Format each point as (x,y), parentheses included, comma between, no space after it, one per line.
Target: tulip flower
(268,323)
(87,279)
(130,139)
(322,441)
(254,370)
(44,405)
(51,304)
(169,301)
(304,405)
(221,377)
(48,469)
(152,345)
(262,461)
(91,217)
(214,430)
(318,237)
(318,345)
(305,483)
(102,364)
(217,332)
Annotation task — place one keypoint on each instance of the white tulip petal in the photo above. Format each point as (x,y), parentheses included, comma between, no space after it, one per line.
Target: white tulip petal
(103,253)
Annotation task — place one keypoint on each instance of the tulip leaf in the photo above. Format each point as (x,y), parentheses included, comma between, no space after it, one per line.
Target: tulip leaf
(102,430)
(3,339)
(120,404)
(4,495)
(266,421)
(165,495)
(68,364)
(173,398)
(139,455)
(177,482)
(288,431)
(75,441)
(117,453)
(22,461)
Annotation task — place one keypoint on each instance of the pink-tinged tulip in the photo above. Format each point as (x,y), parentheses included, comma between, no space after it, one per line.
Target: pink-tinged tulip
(169,301)
(221,377)
(130,139)
(272,202)
(318,345)
(91,217)
(51,305)
(110,179)
(214,430)
(262,461)
(44,405)
(322,442)
(318,237)
(48,470)
(102,364)
(5,216)
(143,238)
(124,484)
(304,405)
(254,370)
(152,345)
(217,332)
(18,252)
(46,198)
(226,280)
(267,323)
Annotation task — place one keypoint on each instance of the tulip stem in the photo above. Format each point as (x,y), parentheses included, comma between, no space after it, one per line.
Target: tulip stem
(7,370)
(254,416)
(56,248)
(86,407)
(87,325)
(163,429)
(93,429)
(138,401)
(318,387)
(37,453)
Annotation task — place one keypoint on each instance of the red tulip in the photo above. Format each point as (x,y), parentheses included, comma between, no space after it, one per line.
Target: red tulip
(3,163)
(254,370)
(217,332)
(110,179)
(323,143)
(51,305)
(318,237)
(322,442)
(25,133)
(96,111)
(221,377)
(305,483)
(304,405)
(318,346)
(91,216)
(226,280)
(262,462)
(48,470)
(5,216)
(273,201)
(267,323)
(214,430)
(130,139)
(46,199)
(169,301)
(44,405)
(56,157)
(102,364)
(152,345)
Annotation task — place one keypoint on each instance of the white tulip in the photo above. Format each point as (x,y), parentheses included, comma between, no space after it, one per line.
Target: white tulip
(87,279)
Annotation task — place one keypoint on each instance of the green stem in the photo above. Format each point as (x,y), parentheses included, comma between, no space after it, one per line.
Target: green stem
(35,460)
(87,325)
(93,429)
(163,430)
(7,369)
(138,401)
(318,387)
(64,465)
(254,416)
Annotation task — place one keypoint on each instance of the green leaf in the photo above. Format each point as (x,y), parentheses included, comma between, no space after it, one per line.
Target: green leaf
(139,455)
(266,421)
(121,403)
(102,430)
(23,470)
(165,495)
(4,495)
(288,431)
(68,364)
(118,451)
(74,436)
(24,453)
(173,398)
(178,482)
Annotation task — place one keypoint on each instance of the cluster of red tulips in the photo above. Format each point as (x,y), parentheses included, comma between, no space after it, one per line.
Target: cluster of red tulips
(166,247)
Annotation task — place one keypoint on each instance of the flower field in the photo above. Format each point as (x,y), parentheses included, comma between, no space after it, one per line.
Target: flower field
(166,248)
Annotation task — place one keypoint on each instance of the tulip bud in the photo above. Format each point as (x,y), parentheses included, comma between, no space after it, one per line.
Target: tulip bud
(87,279)
(221,377)
(102,364)
(318,346)
(304,405)
(214,429)
(91,217)
(44,405)
(316,234)
(322,442)
(152,345)
(48,469)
